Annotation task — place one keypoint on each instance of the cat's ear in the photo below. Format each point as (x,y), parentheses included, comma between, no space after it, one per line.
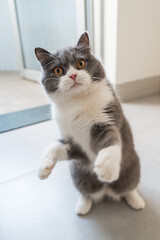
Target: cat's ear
(42,55)
(83,40)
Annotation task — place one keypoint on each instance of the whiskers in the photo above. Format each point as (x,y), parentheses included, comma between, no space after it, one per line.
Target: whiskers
(47,79)
(50,82)
(55,60)
(67,83)
(94,78)
(92,69)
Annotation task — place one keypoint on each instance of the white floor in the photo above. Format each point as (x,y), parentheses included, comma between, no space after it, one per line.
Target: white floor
(17,93)
(35,209)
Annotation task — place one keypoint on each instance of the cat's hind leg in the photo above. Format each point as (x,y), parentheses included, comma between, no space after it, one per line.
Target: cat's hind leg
(83,205)
(135,200)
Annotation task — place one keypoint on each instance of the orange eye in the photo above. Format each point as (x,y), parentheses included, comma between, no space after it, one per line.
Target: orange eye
(58,71)
(81,64)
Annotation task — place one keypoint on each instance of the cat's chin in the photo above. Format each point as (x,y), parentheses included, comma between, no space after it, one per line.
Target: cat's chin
(77,90)
(75,85)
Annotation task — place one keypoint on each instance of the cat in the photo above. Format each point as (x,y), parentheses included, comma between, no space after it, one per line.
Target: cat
(95,133)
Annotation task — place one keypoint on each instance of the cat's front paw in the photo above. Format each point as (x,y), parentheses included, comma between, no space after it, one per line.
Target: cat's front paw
(45,168)
(107,165)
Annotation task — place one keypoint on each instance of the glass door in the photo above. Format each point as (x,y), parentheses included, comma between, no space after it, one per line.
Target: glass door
(48,24)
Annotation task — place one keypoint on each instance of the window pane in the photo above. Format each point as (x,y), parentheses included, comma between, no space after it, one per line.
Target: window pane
(50,24)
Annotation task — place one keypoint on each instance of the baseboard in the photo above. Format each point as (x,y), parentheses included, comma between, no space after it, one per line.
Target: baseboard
(139,88)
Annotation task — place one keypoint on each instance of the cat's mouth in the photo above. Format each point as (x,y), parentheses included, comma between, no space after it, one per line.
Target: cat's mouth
(75,85)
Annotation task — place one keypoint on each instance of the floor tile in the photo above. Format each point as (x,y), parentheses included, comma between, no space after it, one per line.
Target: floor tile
(143,113)
(18,94)
(148,143)
(35,209)
(21,149)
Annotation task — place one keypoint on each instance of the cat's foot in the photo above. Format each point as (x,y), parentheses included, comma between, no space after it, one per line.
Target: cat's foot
(83,205)
(135,200)
(107,164)
(45,168)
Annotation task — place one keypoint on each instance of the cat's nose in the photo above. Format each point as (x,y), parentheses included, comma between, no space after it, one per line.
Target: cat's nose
(73,76)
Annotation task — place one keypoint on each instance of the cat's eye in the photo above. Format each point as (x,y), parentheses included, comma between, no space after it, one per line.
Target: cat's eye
(81,64)
(58,71)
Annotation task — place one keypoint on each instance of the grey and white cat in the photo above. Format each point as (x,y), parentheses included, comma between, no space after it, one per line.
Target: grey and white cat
(96,136)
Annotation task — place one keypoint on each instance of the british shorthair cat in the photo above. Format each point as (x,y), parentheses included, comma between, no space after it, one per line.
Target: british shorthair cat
(95,135)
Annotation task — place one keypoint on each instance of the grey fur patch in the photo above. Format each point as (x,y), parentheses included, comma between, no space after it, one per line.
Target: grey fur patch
(103,135)
(129,175)
(114,112)
(75,151)
(85,181)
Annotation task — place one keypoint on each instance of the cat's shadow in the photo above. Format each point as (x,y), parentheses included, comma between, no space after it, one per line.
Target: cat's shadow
(114,220)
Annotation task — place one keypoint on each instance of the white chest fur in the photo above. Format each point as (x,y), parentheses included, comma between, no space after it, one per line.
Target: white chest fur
(76,117)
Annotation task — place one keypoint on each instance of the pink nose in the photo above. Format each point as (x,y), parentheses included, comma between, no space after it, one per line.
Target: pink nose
(73,76)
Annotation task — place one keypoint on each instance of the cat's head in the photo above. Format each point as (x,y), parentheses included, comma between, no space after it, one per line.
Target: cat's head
(70,71)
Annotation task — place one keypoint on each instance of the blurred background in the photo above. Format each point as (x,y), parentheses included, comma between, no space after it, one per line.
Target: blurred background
(125,34)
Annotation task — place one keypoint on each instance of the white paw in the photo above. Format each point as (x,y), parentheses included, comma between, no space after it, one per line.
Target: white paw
(83,206)
(107,165)
(137,203)
(45,168)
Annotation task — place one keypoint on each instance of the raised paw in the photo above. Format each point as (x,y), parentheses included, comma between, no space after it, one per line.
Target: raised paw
(45,168)
(107,167)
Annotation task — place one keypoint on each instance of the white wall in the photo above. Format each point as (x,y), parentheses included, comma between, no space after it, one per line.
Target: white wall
(138,40)
(110,38)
